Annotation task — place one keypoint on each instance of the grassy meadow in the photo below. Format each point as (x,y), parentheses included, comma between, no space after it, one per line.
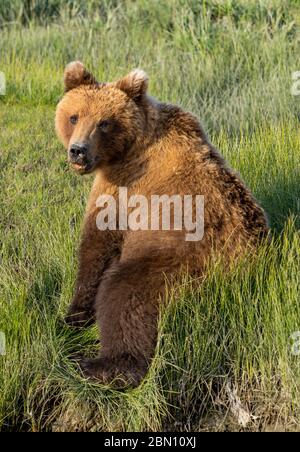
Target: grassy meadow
(224,359)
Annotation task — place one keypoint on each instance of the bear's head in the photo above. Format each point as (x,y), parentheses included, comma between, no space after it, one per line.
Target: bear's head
(99,122)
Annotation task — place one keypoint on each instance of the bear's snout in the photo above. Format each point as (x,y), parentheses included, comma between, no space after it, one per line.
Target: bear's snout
(78,154)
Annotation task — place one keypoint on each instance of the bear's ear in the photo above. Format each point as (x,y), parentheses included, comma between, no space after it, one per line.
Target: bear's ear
(76,75)
(134,84)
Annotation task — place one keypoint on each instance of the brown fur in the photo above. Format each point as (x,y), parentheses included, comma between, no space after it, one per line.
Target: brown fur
(151,148)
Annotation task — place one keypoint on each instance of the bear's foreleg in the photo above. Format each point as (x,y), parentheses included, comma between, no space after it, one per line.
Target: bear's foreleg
(97,251)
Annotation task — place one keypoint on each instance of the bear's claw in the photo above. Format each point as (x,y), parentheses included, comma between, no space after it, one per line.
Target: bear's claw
(106,372)
(80,319)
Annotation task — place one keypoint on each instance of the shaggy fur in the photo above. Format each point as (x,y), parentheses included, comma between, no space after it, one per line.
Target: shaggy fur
(151,148)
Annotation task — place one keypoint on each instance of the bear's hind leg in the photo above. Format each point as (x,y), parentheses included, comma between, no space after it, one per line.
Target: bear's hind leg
(127,313)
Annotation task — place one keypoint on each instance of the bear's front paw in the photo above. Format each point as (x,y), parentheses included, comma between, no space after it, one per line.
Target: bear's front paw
(79,319)
(106,371)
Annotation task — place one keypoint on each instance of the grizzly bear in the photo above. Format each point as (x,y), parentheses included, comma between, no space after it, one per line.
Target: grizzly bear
(129,139)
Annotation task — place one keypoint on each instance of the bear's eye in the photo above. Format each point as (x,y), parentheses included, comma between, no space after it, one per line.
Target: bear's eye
(74,119)
(104,125)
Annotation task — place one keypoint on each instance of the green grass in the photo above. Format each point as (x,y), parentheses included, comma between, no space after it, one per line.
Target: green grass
(230,62)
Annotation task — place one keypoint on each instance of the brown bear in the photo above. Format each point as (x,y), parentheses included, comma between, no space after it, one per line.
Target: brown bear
(128,139)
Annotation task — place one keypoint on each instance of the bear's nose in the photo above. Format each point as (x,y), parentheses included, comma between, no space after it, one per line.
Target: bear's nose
(78,151)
